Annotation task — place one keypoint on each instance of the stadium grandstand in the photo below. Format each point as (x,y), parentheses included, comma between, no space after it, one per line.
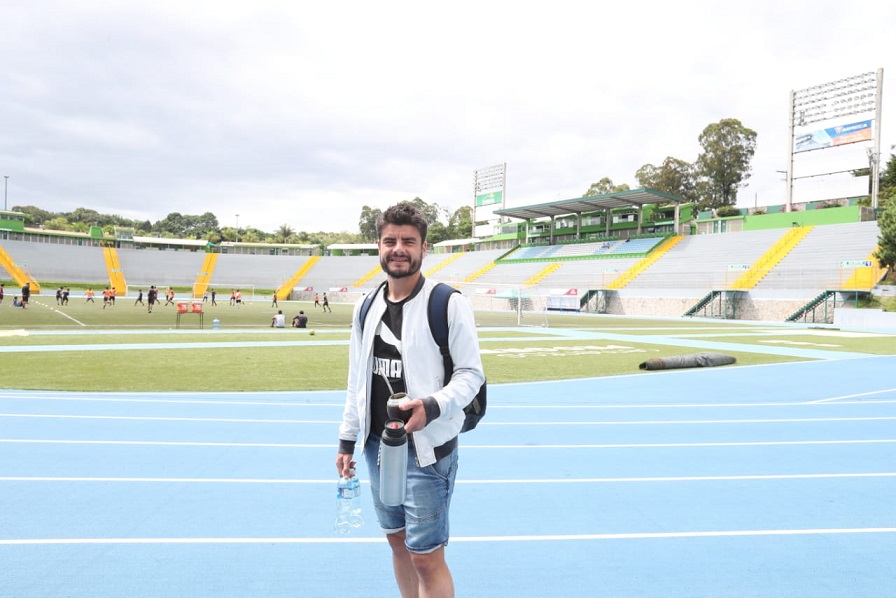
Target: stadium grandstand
(637,252)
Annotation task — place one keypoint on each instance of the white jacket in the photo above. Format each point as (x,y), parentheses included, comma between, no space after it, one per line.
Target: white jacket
(423,369)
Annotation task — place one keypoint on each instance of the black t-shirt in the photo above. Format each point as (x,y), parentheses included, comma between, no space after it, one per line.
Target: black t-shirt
(387,361)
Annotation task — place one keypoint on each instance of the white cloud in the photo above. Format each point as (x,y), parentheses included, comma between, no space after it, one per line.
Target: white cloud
(300,113)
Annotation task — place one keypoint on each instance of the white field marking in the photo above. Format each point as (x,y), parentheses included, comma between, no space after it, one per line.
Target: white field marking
(851,396)
(466,447)
(19,396)
(493,423)
(62,313)
(531,538)
(725,478)
(174,419)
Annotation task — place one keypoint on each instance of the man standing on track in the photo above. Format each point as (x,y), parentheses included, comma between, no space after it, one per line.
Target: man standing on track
(396,351)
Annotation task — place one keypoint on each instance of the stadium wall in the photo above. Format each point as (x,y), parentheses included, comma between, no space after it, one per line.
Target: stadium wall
(816,217)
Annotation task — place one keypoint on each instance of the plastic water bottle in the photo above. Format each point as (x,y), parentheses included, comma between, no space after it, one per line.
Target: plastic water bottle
(344,496)
(354,517)
(393,463)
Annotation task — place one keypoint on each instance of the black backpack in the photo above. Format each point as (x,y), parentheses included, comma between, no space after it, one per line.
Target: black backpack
(437,314)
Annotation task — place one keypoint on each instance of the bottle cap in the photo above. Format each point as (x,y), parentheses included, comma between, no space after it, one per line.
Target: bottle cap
(393,433)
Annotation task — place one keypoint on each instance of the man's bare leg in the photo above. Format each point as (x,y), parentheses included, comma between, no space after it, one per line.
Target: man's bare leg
(435,577)
(405,574)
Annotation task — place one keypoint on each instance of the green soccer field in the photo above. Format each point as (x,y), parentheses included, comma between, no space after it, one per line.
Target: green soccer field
(82,346)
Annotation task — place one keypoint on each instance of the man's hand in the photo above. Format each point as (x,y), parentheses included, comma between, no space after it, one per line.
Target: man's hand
(345,465)
(417,420)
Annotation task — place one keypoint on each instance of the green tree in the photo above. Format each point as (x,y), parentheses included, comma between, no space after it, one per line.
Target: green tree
(284,234)
(367,223)
(460,225)
(89,217)
(887,187)
(674,176)
(433,213)
(437,233)
(173,224)
(34,216)
(604,186)
(57,223)
(205,225)
(886,241)
(724,165)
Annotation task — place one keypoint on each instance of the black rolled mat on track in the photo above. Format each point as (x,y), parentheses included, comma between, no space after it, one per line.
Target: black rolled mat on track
(695,360)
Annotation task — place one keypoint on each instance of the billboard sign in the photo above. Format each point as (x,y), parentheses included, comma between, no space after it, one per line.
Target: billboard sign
(488,196)
(487,199)
(833,136)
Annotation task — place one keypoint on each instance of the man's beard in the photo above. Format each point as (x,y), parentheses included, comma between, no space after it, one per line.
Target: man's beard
(413,268)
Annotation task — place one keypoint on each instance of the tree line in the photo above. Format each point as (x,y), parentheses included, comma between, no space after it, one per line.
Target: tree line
(712,180)
(443,225)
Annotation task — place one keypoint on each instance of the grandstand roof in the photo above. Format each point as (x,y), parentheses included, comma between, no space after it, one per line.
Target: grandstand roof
(623,199)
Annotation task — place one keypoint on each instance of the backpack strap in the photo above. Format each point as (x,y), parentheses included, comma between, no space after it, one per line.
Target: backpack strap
(437,314)
(365,306)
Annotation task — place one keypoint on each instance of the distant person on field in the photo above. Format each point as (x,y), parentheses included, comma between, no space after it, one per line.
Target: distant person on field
(232,297)
(26,294)
(327,304)
(65,295)
(139,300)
(151,296)
(169,296)
(112,293)
(214,294)
(59,296)
(2,291)
(316,300)
(300,321)
(278,321)
(274,300)
(239,297)
(17,303)
(89,296)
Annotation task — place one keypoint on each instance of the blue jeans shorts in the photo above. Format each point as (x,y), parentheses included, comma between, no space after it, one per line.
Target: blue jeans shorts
(424,514)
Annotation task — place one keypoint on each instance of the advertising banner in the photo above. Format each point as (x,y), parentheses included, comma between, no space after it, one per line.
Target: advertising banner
(833,136)
(487,199)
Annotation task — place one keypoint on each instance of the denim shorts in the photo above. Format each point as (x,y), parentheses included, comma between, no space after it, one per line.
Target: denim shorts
(424,514)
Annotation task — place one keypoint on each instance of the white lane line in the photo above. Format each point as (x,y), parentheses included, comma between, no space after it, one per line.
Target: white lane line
(694,421)
(851,396)
(330,446)
(492,423)
(723,478)
(527,538)
(340,404)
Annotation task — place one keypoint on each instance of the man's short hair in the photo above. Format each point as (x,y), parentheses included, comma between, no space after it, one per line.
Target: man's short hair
(402,214)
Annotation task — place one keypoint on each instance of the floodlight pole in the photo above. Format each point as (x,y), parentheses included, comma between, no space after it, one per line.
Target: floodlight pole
(874,153)
(788,205)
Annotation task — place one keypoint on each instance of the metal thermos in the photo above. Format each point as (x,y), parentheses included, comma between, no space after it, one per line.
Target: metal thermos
(393,463)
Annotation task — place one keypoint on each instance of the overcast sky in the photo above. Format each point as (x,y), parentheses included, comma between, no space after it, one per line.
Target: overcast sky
(301,113)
